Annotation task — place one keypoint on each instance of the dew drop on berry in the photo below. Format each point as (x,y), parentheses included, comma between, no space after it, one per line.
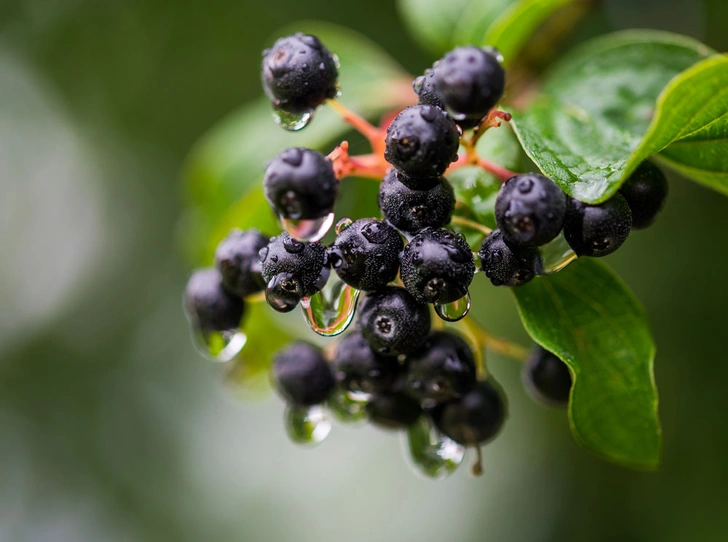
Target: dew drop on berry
(431,453)
(293,246)
(375,232)
(428,113)
(342,224)
(347,408)
(555,255)
(307,425)
(457,310)
(308,230)
(331,310)
(494,52)
(220,346)
(417,84)
(292,121)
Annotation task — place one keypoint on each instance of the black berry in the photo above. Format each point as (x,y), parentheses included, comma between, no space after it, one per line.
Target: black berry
(291,270)
(396,410)
(422,141)
(208,305)
(506,264)
(442,369)
(547,378)
(236,257)
(393,321)
(365,254)
(411,210)
(302,375)
(425,87)
(597,230)
(300,184)
(357,368)
(475,418)
(530,210)
(437,266)
(646,192)
(299,73)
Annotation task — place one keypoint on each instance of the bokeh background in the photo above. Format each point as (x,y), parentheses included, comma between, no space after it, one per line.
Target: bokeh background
(112,428)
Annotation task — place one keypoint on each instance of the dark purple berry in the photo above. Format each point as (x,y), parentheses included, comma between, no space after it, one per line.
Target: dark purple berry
(547,378)
(208,305)
(302,375)
(507,264)
(236,257)
(396,410)
(359,369)
(474,419)
(597,230)
(646,192)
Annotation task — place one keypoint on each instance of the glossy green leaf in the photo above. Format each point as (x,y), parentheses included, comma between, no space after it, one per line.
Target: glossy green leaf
(597,106)
(589,318)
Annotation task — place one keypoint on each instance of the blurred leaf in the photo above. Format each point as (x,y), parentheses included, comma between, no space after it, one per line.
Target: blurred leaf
(589,318)
(597,105)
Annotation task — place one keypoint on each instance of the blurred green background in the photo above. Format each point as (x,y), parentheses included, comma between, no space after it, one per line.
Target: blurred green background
(112,428)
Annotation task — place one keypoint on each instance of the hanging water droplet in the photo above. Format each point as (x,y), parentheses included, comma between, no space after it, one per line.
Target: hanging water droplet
(308,230)
(478,262)
(430,452)
(342,224)
(457,310)
(219,346)
(307,425)
(417,84)
(283,292)
(330,311)
(494,52)
(292,121)
(347,408)
(555,255)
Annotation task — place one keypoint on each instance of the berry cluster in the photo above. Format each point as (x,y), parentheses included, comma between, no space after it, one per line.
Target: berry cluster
(397,368)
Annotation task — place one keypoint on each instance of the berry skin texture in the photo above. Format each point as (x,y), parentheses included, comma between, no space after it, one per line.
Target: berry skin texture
(236,257)
(422,141)
(530,210)
(357,368)
(425,87)
(302,375)
(646,192)
(292,270)
(437,266)
(597,230)
(411,210)
(300,183)
(396,410)
(299,73)
(470,81)
(393,322)
(365,255)
(474,419)
(443,369)
(507,264)
(208,305)
(547,378)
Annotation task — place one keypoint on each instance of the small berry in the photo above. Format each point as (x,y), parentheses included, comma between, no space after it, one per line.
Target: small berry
(437,266)
(646,192)
(365,254)
(302,375)
(530,210)
(411,210)
(208,305)
(393,321)
(236,257)
(396,410)
(299,73)
(597,230)
(547,378)
(422,141)
(358,368)
(442,369)
(507,264)
(301,184)
(474,419)
(291,270)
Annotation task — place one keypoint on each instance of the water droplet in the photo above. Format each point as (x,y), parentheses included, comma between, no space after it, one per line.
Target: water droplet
(331,310)
(430,452)
(494,52)
(346,408)
(342,224)
(307,425)
(478,262)
(336,61)
(308,230)
(375,232)
(283,292)
(555,255)
(417,84)
(292,121)
(218,346)
(428,113)
(457,310)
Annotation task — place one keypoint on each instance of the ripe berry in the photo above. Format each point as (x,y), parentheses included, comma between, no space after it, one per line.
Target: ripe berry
(236,257)
(597,230)
(302,375)
(411,210)
(291,270)
(530,210)
(475,418)
(300,184)
(547,378)
(425,87)
(393,321)
(357,368)
(442,369)
(437,266)
(299,73)
(208,305)
(365,254)
(507,264)
(395,410)
(646,192)
(422,141)
(470,81)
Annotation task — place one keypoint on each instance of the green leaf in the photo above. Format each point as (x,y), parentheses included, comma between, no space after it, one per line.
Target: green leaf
(589,318)
(585,130)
